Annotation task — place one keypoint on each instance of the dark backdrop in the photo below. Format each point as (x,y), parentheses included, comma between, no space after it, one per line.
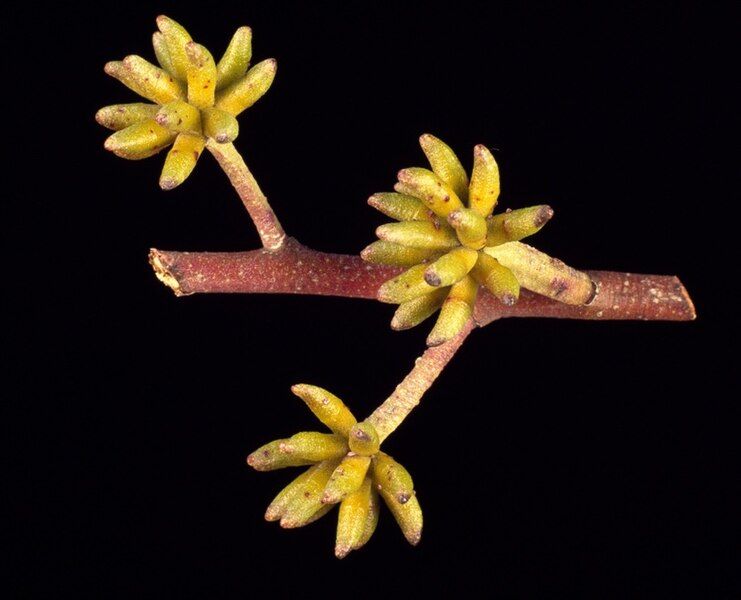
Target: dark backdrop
(549,456)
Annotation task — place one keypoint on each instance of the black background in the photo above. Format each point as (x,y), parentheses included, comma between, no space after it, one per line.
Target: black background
(595,457)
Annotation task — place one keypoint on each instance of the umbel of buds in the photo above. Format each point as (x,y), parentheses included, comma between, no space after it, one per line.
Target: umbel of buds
(452,243)
(348,469)
(192,98)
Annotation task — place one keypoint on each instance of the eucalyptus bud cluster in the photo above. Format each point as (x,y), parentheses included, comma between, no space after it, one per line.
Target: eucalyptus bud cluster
(451,243)
(347,469)
(192,98)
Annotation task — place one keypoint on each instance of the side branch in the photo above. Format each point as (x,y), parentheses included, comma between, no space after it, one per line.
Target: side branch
(389,415)
(295,269)
(267,224)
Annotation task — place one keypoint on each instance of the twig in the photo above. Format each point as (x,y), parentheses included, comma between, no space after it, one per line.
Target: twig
(389,415)
(267,224)
(295,269)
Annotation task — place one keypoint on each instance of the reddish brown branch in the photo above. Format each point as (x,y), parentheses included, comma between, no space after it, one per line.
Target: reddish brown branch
(295,269)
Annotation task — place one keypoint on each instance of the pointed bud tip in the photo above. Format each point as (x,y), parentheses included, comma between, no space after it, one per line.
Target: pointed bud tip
(168,183)
(398,325)
(545,213)
(436,340)
(425,139)
(342,551)
(481,150)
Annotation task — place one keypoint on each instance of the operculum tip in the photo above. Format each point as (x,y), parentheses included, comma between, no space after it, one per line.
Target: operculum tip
(168,183)
(545,213)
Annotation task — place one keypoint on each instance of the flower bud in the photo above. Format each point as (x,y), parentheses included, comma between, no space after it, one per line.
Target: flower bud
(407,286)
(517,224)
(401,207)
(346,478)
(248,89)
(543,274)
(445,164)
(451,267)
(363,439)
(327,407)
(236,59)
(428,187)
(418,234)
(484,188)
(181,160)
(357,519)
(455,312)
(120,116)
(389,253)
(470,227)
(499,280)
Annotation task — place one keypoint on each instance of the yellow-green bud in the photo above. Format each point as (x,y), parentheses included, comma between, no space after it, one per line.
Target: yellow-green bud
(499,280)
(484,188)
(346,478)
(248,89)
(176,37)
(428,187)
(120,116)
(201,74)
(413,312)
(469,226)
(407,286)
(181,160)
(327,407)
(419,234)
(389,253)
(451,267)
(445,164)
(363,439)
(219,125)
(515,225)
(236,59)
(401,207)
(543,274)
(357,519)
(455,312)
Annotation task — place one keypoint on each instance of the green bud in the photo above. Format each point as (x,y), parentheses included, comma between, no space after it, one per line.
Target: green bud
(363,439)
(401,207)
(236,59)
(346,478)
(445,164)
(418,234)
(327,407)
(515,225)
(451,267)
(428,187)
(484,188)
